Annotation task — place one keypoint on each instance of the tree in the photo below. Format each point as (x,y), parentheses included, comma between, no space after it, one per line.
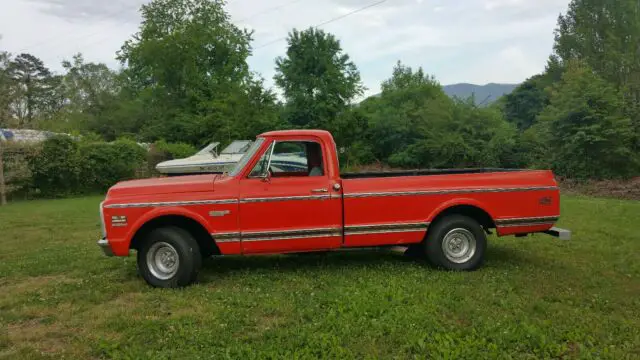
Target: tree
(586,131)
(85,84)
(527,101)
(34,84)
(405,78)
(317,78)
(606,36)
(84,97)
(413,123)
(187,66)
(7,90)
(409,100)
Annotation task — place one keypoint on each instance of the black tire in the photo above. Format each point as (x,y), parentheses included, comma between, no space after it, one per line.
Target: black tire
(173,241)
(457,231)
(414,251)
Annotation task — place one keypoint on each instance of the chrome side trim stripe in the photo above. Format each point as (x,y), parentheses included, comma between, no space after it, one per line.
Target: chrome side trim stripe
(285,198)
(222,201)
(446,192)
(171,203)
(542,219)
(327,196)
(385,228)
(275,235)
(229,237)
(550,223)
(290,234)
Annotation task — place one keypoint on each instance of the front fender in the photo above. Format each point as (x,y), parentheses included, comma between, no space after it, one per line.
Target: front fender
(173,211)
(120,240)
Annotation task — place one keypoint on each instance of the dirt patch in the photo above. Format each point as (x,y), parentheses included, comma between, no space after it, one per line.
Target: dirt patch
(34,283)
(123,304)
(47,338)
(615,189)
(266,322)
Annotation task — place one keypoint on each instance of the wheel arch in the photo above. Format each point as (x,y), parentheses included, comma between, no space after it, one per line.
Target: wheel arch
(183,221)
(466,207)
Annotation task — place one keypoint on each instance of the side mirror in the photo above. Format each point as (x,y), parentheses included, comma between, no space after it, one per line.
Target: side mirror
(266,177)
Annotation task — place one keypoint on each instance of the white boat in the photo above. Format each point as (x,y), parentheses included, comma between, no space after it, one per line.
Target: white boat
(206,160)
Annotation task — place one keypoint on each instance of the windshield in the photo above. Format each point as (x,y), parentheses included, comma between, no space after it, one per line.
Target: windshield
(237,147)
(246,157)
(209,150)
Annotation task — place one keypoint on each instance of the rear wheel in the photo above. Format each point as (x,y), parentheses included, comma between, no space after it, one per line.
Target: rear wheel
(456,242)
(169,258)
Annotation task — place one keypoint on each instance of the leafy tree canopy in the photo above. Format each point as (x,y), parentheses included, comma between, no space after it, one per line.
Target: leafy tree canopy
(317,78)
(585,128)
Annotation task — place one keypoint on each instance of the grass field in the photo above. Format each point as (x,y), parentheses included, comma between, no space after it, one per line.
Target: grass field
(535,298)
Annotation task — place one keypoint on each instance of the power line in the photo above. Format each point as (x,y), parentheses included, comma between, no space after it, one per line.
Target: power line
(102,39)
(485,100)
(326,22)
(269,10)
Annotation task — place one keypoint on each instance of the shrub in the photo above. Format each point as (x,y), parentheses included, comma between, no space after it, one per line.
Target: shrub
(65,167)
(174,150)
(55,168)
(17,172)
(101,165)
(161,151)
(589,135)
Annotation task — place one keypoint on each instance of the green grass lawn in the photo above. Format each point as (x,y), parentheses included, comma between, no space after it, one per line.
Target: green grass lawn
(536,297)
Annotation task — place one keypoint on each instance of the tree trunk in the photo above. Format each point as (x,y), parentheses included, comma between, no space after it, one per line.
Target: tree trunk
(3,194)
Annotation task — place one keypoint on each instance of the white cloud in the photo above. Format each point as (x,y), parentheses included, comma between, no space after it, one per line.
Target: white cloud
(457,40)
(494,4)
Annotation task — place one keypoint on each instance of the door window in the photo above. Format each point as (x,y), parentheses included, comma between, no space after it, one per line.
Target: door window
(291,159)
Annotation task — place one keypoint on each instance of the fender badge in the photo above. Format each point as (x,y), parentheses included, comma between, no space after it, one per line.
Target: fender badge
(219,213)
(118,221)
(545,200)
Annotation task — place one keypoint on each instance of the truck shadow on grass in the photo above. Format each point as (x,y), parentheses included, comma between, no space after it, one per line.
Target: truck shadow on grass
(504,257)
(217,266)
(295,262)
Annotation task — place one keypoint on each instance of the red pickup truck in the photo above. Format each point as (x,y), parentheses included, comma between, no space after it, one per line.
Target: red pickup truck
(286,195)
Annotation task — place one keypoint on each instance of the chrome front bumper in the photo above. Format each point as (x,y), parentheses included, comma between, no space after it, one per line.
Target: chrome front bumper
(106,248)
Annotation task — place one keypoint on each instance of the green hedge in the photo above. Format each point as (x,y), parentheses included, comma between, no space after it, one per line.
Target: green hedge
(174,150)
(100,165)
(66,167)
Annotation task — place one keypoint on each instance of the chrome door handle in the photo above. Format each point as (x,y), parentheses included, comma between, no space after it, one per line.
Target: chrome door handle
(319,190)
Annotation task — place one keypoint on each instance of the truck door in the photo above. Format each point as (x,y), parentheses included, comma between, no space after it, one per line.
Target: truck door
(287,203)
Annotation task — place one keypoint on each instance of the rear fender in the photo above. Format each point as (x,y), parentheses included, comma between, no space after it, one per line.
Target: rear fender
(458,202)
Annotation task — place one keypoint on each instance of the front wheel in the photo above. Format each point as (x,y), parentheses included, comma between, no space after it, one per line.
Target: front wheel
(456,242)
(169,258)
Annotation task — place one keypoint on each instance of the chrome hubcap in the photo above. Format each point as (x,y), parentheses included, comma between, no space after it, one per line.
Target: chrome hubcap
(459,245)
(163,260)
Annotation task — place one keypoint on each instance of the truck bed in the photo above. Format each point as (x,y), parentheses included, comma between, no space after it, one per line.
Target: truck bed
(415,197)
(421,172)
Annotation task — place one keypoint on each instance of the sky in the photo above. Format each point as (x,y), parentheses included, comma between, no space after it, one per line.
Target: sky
(471,41)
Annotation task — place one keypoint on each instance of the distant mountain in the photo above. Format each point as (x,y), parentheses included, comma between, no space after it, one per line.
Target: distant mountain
(485,94)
